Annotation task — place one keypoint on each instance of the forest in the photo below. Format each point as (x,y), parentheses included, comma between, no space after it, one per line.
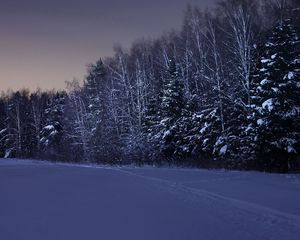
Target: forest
(221,92)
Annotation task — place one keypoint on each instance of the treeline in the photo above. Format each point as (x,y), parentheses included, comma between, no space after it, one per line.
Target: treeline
(224,91)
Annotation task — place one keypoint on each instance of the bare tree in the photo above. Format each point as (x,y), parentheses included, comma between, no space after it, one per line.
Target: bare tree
(81,129)
(241,46)
(215,68)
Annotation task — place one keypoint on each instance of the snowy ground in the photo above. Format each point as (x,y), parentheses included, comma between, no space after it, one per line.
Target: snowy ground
(43,201)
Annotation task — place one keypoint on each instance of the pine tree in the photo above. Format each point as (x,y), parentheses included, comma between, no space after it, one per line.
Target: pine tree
(277,109)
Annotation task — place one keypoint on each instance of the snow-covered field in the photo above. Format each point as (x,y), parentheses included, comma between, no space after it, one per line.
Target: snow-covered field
(44,201)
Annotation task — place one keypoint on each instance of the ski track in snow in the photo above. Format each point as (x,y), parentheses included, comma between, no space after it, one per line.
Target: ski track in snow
(246,206)
(270,219)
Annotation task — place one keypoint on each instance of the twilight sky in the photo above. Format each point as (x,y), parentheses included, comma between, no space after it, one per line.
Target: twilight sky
(45,42)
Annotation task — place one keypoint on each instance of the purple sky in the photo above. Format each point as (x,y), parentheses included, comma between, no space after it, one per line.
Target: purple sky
(43,43)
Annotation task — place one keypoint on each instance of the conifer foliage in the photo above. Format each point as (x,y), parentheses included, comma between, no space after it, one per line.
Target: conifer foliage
(172,105)
(277,108)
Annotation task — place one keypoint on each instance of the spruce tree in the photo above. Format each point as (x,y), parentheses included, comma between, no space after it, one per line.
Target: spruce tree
(173,94)
(93,87)
(94,90)
(172,105)
(52,133)
(151,117)
(277,106)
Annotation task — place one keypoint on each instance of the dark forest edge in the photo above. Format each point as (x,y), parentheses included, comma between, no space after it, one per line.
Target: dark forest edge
(223,92)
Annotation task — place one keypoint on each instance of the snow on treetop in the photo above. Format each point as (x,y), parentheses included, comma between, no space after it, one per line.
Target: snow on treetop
(264,81)
(274,56)
(223,150)
(263,70)
(260,122)
(275,89)
(49,127)
(268,104)
(265,60)
(291,75)
(202,130)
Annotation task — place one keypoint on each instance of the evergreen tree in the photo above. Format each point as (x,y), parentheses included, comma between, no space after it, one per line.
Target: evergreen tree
(277,110)
(52,133)
(151,130)
(94,88)
(172,105)
(173,94)
(151,117)
(94,85)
